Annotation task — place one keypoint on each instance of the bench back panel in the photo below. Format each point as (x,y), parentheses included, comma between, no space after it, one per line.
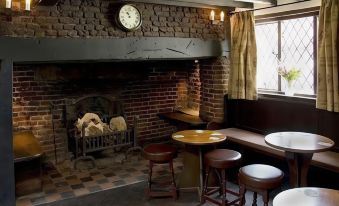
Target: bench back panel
(267,115)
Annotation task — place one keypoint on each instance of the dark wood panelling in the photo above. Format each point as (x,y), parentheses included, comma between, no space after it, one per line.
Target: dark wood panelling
(267,115)
(7,196)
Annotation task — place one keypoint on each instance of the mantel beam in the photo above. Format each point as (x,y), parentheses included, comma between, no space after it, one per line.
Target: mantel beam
(119,49)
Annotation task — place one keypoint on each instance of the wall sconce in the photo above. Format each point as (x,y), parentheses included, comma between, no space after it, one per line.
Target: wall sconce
(20,5)
(212,17)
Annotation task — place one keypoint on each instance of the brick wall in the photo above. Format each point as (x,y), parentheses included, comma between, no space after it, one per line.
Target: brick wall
(94,18)
(214,81)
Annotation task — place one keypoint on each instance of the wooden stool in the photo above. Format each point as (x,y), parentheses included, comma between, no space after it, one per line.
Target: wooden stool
(260,179)
(220,160)
(160,154)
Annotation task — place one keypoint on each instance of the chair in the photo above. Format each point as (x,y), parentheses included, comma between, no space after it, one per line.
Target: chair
(28,156)
(160,154)
(260,179)
(219,160)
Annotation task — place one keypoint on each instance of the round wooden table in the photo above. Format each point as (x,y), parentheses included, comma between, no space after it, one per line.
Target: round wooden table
(197,138)
(307,196)
(299,148)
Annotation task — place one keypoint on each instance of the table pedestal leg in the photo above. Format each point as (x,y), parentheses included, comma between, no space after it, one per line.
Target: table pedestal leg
(189,177)
(298,164)
(201,167)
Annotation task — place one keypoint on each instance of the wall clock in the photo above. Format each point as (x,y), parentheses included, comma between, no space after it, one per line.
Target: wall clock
(129,17)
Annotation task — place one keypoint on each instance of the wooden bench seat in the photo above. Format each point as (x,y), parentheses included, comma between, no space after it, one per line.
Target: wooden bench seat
(327,160)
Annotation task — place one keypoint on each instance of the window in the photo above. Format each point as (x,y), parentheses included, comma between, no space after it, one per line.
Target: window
(292,42)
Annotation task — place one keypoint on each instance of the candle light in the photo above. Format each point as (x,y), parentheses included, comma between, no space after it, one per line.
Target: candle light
(8,4)
(222,16)
(27,5)
(212,15)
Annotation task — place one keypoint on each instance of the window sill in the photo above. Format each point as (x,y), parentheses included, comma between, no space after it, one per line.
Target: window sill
(282,97)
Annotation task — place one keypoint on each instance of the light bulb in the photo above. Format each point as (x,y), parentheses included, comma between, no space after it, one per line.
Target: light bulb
(27,5)
(8,4)
(222,16)
(212,15)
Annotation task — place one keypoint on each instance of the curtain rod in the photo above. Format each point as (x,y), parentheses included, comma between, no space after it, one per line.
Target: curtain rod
(235,12)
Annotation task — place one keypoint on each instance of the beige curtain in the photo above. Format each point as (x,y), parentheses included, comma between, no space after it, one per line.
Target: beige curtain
(328,88)
(242,81)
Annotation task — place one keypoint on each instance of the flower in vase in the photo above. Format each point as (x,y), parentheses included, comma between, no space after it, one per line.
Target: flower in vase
(289,75)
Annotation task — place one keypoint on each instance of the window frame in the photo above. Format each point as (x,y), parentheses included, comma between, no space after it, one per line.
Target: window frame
(278,17)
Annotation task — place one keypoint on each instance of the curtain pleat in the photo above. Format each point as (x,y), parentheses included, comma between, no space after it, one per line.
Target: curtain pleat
(242,81)
(328,88)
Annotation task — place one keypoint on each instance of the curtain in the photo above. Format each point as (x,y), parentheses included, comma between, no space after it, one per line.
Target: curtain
(328,88)
(242,81)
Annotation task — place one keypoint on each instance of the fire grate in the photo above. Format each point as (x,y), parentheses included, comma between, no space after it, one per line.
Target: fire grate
(81,145)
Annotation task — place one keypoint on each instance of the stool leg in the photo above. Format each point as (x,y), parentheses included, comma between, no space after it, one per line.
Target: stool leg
(204,191)
(174,188)
(242,194)
(265,198)
(254,199)
(223,187)
(219,180)
(150,178)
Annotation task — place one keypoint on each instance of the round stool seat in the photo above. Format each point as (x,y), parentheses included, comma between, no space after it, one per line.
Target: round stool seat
(261,176)
(159,153)
(222,158)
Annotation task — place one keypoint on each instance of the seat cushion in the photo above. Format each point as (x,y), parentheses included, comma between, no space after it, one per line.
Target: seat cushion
(222,158)
(260,176)
(159,153)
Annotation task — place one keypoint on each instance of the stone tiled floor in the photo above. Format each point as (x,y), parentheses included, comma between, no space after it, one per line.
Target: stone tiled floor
(62,182)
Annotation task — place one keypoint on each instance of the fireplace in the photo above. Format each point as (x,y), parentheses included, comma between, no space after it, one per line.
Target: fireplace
(144,89)
(74,49)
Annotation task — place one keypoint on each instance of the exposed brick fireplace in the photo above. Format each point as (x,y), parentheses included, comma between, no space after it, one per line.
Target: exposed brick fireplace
(153,88)
(146,88)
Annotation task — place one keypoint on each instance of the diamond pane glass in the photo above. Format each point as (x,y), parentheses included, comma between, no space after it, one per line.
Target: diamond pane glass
(298,51)
(267,51)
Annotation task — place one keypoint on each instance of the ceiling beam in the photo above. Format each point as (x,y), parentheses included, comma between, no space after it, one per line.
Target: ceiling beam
(212,4)
(260,2)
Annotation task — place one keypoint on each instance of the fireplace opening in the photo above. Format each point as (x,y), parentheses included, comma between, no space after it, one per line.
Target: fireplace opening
(144,89)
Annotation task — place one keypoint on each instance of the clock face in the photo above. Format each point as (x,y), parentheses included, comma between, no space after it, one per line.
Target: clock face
(129,17)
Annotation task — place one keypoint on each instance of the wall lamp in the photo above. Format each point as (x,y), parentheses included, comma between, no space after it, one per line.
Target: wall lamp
(17,5)
(212,17)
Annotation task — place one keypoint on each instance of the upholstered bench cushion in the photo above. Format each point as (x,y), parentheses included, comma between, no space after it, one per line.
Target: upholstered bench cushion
(327,160)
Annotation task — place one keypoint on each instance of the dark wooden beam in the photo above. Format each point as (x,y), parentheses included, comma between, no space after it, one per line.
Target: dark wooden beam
(211,4)
(7,188)
(119,49)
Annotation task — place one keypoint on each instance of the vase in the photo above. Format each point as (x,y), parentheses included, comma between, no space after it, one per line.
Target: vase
(289,88)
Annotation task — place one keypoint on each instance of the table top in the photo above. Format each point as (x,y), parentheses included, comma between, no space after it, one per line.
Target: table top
(198,137)
(299,142)
(307,196)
